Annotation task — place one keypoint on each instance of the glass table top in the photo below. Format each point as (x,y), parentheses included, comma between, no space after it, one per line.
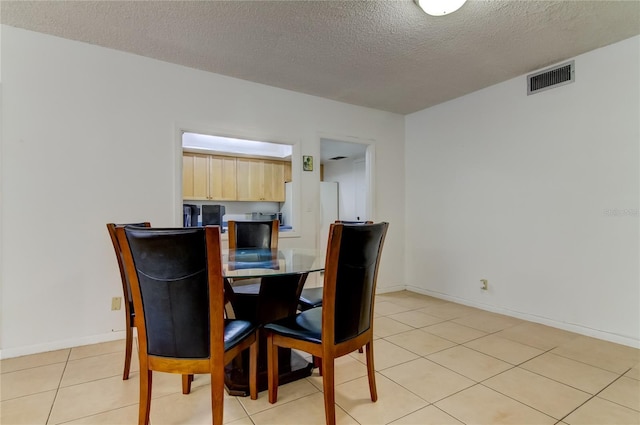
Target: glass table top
(267,262)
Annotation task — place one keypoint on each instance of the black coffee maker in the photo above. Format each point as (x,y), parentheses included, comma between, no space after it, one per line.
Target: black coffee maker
(212,215)
(190,215)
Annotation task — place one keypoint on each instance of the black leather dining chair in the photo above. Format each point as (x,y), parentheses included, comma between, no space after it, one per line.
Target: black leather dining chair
(312,297)
(345,321)
(178,292)
(252,234)
(129,310)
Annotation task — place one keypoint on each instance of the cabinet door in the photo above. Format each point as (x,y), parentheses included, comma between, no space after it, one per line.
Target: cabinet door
(195,176)
(249,179)
(273,174)
(287,171)
(222,178)
(187,176)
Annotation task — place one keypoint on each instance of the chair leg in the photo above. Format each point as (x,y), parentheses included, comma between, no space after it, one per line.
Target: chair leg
(217,395)
(328,386)
(127,352)
(272,369)
(186,383)
(371,372)
(253,370)
(146,378)
(317,362)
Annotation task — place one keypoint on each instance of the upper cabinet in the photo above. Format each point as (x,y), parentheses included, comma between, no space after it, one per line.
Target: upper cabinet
(208,177)
(223,178)
(195,176)
(287,172)
(260,180)
(273,172)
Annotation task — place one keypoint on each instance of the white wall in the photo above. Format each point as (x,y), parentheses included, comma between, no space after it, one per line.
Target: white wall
(538,194)
(91,135)
(350,175)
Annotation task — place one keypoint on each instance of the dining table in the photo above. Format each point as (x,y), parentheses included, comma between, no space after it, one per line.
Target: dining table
(264,285)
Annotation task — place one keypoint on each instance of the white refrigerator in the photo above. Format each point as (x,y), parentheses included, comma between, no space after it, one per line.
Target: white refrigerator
(287,206)
(328,211)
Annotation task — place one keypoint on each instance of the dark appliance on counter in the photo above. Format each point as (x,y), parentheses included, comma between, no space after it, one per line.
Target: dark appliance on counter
(212,215)
(190,215)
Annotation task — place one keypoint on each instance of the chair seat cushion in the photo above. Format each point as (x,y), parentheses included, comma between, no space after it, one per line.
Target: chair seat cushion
(311,298)
(306,326)
(235,331)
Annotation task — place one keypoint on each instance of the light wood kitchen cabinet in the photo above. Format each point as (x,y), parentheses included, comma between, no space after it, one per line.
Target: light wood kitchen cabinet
(208,177)
(273,173)
(287,172)
(195,169)
(225,178)
(260,180)
(222,178)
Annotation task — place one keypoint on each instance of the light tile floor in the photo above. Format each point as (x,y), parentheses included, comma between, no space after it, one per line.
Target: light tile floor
(436,363)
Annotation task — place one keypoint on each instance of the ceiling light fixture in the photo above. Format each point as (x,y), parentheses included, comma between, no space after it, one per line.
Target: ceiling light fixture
(440,7)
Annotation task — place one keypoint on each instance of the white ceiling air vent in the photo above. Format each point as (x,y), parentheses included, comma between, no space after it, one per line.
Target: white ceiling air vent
(551,78)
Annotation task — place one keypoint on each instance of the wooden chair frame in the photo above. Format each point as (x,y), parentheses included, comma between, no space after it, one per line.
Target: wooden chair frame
(314,291)
(218,358)
(327,351)
(129,313)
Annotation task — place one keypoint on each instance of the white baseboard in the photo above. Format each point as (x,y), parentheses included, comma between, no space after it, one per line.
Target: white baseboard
(112,336)
(59,345)
(387,289)
(582,330)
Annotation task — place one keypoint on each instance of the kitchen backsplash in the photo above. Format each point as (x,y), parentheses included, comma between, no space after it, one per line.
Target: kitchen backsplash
(239,210)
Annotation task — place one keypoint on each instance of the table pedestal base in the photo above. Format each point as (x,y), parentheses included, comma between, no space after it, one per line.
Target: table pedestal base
(291,368)
(275,298)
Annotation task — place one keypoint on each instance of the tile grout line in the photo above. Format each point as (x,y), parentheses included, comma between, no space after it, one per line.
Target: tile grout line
(518,401)
(82,383)
(588,364)
(445,367)
(55,397)
(591,396)
(387,377)
(564,383)
(525,404)
(596,394)
(502,360)
(474,383)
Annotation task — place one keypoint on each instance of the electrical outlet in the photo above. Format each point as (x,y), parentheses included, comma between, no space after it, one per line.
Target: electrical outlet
(116,303)
(485,284)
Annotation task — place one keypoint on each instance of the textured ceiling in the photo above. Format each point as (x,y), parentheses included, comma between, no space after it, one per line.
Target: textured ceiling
(386,55)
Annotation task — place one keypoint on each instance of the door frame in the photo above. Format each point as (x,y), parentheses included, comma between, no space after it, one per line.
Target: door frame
(370,161)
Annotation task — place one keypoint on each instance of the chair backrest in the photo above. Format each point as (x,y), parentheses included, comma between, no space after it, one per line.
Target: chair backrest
(177,287)
(351,272)
(253,234)
(353,222)
(111,227)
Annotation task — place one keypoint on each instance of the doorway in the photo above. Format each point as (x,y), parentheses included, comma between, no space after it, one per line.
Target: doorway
(346,183)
